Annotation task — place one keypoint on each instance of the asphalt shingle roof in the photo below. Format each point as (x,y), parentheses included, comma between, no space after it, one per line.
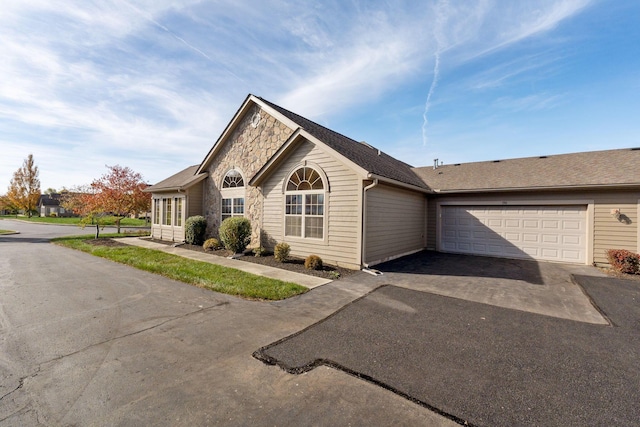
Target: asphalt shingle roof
(610,167)
(367,157)
(52,199)
(179,180)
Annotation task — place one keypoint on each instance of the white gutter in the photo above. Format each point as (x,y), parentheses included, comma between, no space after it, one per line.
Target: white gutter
(398,183)
(364,230)
(540,188)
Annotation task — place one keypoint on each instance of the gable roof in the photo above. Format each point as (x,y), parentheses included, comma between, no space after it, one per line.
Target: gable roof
(367,157)
(52,199)
(180,181)
(609,168)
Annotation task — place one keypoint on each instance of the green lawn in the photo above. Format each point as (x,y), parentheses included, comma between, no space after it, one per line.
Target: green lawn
(202,274)
(6,231)
(108,220)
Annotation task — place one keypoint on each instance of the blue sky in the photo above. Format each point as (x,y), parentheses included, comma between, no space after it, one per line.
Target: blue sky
(151,84)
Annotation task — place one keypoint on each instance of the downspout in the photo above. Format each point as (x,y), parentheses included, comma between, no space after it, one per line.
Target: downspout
(364,230)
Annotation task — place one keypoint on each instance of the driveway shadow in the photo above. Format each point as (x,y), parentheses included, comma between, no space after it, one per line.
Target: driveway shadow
(484,365)
(443,264)
(17,238)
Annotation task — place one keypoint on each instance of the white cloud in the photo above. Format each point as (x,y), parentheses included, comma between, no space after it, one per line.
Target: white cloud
(160,79)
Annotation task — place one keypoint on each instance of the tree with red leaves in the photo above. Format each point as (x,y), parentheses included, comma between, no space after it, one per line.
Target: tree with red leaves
(118,193)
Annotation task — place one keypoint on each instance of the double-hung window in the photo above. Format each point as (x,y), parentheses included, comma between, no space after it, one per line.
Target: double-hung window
(304,204)
(179,203)
(167,211)
(232,195)
(156,211)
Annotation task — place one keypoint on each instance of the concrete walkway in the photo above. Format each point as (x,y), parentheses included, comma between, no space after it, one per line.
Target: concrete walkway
(249,267)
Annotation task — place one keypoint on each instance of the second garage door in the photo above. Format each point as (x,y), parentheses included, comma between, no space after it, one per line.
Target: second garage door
(551,233)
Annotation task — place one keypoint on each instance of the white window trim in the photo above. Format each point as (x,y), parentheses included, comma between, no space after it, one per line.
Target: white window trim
(175,211)
(156,216)
(233,193)
(169,202)
(325,192)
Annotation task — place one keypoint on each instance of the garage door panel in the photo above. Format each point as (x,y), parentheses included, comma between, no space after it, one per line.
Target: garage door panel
(571,240)
(513,237)
(571,225)
(554,233)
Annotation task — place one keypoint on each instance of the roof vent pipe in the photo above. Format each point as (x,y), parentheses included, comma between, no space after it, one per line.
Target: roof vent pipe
(435,163)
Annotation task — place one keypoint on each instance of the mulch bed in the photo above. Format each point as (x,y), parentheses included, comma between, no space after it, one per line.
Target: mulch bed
(104,242)
(618,275)
(293,264)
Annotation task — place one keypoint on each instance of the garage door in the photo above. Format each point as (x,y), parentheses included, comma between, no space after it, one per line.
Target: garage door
(551,233)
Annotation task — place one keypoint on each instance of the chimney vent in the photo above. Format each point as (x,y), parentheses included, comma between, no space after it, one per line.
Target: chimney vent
(435,163)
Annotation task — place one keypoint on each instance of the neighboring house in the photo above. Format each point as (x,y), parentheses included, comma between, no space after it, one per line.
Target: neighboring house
(355,206)
(49,205)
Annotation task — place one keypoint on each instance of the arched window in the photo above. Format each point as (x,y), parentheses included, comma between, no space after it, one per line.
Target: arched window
(233,179)
(304,204)
(232,192)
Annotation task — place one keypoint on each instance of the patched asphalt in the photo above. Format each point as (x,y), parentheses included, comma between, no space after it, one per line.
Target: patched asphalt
(481,364)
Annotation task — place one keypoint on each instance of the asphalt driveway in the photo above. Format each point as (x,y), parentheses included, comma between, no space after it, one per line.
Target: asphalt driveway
(483,364)
(85,341)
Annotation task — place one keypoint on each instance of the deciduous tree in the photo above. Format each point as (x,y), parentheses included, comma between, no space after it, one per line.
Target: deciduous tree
(6,205)
(118,192)
(24,189)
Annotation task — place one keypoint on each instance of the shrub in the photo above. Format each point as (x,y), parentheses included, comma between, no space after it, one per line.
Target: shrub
(281,252)
(194,229)
(235,233)
(313,262)
(624,261)
(258,252)
(211,244)
(53,215)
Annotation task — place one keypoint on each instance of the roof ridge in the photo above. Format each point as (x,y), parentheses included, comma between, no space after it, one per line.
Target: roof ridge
(542,156)
(271,104)
(373,160)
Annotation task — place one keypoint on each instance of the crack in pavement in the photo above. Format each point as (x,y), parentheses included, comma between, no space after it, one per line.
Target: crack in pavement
(19,387)
(39,366)
(171,319)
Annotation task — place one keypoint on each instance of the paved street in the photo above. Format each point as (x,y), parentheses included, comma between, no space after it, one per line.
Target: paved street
(84,341)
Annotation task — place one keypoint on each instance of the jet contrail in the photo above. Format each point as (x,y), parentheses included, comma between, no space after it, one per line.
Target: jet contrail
(149,18)
(439,36)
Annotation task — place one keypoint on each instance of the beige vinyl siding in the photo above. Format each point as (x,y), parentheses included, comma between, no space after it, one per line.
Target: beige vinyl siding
(612,233)
(607,232)
(432,213)
(342,209)
(161,231)
(192,206)
(194,200)
(395,223)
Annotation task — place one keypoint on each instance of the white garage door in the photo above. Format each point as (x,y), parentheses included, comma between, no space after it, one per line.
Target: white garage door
(551,233)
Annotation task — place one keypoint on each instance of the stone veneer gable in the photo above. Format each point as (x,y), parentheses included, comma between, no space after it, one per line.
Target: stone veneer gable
(248,148)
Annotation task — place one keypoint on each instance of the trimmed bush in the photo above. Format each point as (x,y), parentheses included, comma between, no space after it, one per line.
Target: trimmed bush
(194,229)
(211,244)
(313,262)
(281,252)
(258,252)
(624,261)
(235,233)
